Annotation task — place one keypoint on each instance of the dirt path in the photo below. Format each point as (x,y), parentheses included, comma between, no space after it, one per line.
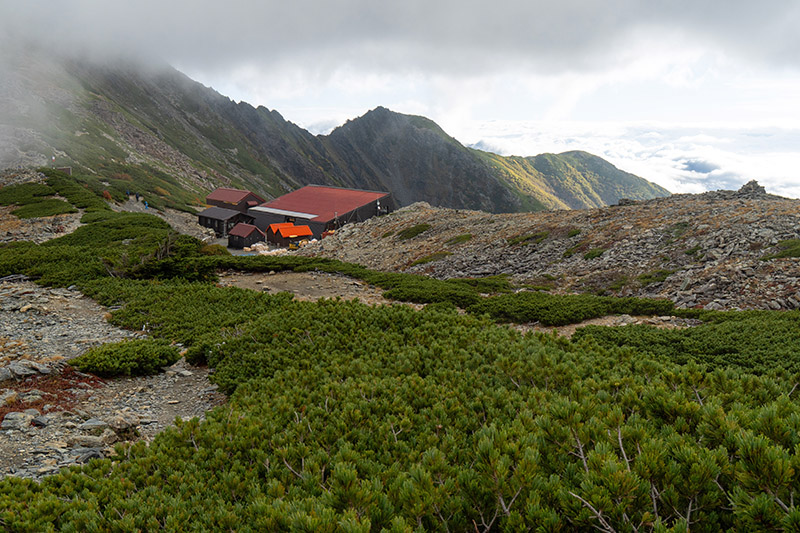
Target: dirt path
(308,286)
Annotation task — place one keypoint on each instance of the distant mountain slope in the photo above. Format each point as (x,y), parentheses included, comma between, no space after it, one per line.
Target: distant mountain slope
(179,139)
(572,180)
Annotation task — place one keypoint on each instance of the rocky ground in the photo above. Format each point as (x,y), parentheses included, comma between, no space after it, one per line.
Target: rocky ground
(702,250)
(53,416)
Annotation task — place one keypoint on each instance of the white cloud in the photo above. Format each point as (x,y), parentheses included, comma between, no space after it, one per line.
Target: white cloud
(680,161)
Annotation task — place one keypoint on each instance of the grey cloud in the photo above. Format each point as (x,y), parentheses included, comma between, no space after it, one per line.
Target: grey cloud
(443,35)
(718,181)
(699,166)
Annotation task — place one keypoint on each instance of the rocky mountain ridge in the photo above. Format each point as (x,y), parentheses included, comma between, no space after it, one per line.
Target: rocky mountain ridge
(705,250)
(156,127)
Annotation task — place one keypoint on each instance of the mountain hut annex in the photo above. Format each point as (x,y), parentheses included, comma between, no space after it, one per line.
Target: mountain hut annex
(243,235)
(222,220)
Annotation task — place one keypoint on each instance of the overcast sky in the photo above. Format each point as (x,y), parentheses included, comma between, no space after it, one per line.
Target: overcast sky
(691,94)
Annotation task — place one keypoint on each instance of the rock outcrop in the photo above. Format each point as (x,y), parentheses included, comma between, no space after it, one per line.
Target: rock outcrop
(706,250)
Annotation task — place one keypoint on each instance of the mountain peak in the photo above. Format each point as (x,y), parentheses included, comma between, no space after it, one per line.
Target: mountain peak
(107,119)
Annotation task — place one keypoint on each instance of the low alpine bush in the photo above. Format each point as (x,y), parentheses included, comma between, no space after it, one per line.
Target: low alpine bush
(127,358)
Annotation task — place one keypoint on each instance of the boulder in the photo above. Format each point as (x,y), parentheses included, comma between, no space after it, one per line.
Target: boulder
(94,426)
(5,374)
(86,441)
(16,421)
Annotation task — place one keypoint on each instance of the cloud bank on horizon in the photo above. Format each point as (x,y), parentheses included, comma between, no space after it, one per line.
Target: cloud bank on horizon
(693,95)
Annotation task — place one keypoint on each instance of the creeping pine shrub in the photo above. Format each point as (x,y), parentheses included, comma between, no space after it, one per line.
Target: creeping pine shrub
(594,253)
(413,231)
(127,358)
(458,239)
(47,207)
(214,249)
(24,193)
(525,239)
(431,258)
(787,248)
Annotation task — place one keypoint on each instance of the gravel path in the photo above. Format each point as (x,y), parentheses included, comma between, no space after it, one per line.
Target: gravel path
(49,327)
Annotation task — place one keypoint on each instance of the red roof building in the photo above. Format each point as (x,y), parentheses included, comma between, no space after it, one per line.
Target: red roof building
(294,232)
(322,208)
(275,227)
(235,199)
(286,233)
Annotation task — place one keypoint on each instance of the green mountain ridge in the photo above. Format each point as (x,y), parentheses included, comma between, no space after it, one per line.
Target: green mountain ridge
(178,139)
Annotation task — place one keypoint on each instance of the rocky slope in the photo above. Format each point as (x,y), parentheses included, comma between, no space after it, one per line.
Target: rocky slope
(52,416)
(156,125)
(702,250)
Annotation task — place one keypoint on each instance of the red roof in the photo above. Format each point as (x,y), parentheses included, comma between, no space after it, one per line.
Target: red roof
(325,202)
(289,232)
(231,196)
(243,230)
(275,227)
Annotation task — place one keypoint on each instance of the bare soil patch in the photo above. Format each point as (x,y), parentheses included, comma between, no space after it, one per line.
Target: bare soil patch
(307,286)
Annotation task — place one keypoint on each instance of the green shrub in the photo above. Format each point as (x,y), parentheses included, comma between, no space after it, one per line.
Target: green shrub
(436,256)
(348,417)
(413,231)
(459,239)
(573,233)
(523,240)
(47,207)
(755,341)
(127,358)
(569,252)
(693,250)
(618,284)
(214,249)
(657,276)
(560,310)
(79,195)
(594,253)
(24,193)
(787,248)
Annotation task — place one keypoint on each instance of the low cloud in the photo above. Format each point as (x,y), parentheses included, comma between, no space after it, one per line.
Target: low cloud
(721,158)
(698,166)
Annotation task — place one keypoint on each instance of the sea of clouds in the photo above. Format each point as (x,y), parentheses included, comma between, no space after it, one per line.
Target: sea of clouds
(683,159)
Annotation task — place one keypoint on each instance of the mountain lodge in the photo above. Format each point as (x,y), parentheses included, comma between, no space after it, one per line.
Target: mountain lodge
(322,208)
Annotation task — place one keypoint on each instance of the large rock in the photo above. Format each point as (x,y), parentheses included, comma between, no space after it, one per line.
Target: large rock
(86,441)
(124,424)
(8,397)
(17,421)
(751,188)
(94,426)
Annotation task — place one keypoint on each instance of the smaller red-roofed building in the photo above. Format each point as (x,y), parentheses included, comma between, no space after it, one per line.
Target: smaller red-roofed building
(236,199)
(244,235)
(272,231)
(287,234)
